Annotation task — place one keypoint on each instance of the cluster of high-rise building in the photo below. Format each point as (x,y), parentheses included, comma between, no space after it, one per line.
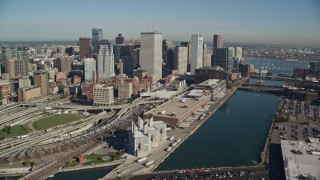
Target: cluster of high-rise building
(96,64)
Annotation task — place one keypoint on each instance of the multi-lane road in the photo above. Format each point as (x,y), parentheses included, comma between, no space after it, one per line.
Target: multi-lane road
(16,145)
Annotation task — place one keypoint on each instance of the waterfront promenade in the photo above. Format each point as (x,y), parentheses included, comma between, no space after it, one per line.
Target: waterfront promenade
(159,154)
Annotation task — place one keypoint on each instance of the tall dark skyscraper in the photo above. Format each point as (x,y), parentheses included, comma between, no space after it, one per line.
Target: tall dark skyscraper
(130,58)
(97,36)
(223,57)
(119,39)
(217,41)
(85,45)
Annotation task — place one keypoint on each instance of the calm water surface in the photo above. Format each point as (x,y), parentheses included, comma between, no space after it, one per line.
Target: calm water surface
(235,135)
(276,66)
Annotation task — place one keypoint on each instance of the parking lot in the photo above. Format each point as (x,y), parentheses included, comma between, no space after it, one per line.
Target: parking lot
(300,109)
(229,173)
(304,122)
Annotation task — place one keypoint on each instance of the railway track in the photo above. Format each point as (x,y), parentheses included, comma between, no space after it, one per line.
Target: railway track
(53,167)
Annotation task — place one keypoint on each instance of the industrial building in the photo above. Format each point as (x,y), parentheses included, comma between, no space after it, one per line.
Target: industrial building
(216,87)
(145,135)
(29,93)
(301,159)
(178,109)
(205,73)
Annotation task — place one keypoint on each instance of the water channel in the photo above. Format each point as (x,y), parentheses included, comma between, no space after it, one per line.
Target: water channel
(236,134)
(233,136)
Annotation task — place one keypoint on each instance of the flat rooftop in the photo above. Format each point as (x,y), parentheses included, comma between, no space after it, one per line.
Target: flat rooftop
(4,81)
(211,82)
(154,32)
(195,93)
(175,107)
(301,159)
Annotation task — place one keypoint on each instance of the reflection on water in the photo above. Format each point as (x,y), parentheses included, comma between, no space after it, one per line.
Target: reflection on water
(234,135)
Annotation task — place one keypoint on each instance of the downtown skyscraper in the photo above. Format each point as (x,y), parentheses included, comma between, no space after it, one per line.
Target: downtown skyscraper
(180,59)
(217,41)
(196,52)
(224,57)
(89,69)
(105,60)
(97,36)
(85,45)
(151,53)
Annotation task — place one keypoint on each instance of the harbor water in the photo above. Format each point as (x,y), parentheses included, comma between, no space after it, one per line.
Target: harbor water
(276,66)
(234,135)
(83,174)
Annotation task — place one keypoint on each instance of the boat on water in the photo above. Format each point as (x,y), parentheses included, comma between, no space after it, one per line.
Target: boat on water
(254,161)
(260,82)
(292,60)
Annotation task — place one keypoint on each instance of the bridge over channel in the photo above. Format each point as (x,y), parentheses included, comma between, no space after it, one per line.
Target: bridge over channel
(279,78)
(274,89)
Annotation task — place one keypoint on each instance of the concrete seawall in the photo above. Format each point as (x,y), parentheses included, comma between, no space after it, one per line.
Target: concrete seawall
(265,153)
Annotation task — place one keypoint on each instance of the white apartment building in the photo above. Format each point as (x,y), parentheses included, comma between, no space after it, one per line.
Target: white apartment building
(89,68)
(105,62)
(102,95)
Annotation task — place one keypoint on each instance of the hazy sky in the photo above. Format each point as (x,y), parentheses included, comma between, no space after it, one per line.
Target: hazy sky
(271,21)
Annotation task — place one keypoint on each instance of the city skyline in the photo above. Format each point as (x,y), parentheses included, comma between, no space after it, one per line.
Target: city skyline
(283,22)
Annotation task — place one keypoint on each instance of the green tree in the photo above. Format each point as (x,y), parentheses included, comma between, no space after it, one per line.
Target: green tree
(27,163)
(229,85)
(74,96)
(9,131)
(60,88)
(31,61)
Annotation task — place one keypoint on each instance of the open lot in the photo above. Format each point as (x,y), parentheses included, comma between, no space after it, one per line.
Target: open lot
(54,120)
